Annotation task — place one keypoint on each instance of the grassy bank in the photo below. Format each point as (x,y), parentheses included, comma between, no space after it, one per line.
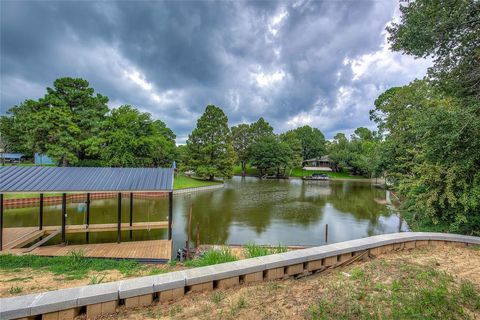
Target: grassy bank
(299,172)
(183,182)
(29,273)
(26,274)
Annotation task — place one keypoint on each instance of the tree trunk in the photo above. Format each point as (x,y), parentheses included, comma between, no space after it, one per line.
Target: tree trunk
(212,177)
(243,168)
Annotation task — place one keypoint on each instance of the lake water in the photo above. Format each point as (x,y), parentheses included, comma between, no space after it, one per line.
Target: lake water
(246,210)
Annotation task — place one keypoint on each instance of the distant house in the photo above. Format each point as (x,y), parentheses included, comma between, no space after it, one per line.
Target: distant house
(320,164)
(43,159)
(12,157)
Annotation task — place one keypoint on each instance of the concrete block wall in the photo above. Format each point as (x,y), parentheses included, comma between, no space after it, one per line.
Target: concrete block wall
(94,300)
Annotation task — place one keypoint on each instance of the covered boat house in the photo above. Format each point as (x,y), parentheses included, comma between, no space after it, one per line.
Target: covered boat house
(62,180)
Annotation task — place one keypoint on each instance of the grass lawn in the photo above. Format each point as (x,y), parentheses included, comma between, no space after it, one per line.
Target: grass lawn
(182,182)
(29,273)
(252,171)
(299,172)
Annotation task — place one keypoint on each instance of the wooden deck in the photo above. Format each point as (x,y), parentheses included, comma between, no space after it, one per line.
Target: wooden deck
(151,250)
(15,238)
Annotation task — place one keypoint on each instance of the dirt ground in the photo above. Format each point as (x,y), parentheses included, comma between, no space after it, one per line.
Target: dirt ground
(348,292)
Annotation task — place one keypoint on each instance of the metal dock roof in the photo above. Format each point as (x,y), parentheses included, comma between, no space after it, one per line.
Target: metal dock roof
(77,179)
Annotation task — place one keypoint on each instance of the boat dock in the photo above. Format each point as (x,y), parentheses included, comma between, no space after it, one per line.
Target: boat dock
(16,238)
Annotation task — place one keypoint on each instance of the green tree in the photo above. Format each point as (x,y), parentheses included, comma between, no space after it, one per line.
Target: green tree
(270,152)
(291,139)
(449,32)
(312,141)
(86,109)
(209,146)
(260,129)
(241,140)
(60,124)
(360,154)
(130,138)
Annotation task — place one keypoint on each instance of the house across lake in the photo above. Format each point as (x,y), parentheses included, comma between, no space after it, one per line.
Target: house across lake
(320,164)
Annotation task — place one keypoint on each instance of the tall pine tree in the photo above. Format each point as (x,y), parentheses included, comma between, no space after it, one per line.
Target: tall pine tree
(209,146)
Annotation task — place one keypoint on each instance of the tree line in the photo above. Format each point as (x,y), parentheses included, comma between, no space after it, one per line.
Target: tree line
(74,126)
(431,127)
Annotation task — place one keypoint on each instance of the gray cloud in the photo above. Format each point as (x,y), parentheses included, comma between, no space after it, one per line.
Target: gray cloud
(320,63)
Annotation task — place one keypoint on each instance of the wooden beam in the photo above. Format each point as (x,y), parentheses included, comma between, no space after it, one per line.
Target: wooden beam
(64,216)
(131,214)
(40,213)
(119,218)
(87,235)
(170,214)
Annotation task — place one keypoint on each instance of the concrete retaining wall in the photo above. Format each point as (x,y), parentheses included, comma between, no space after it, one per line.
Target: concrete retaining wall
(103,298)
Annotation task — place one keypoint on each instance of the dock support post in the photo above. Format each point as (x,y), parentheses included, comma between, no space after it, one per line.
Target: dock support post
(87,234)
(40,214)
(131,214)
(170,214)
(64,216)
(119,212)
(1,221)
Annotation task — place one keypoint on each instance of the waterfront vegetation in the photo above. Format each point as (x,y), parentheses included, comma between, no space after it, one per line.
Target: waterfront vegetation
(73,266)
(253,250)
(298,172)
(182,182)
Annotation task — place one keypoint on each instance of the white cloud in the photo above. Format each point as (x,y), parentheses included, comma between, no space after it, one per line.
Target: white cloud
(264,80)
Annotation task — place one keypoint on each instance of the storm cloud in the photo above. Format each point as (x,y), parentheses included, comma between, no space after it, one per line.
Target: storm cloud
(320,63)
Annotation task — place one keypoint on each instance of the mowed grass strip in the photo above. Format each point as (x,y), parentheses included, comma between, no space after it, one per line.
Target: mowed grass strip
(73,266)
(183,182)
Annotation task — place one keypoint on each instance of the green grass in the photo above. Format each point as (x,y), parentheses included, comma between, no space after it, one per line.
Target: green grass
(299,172)
(73,266)
(182,182)
(252,250)
(251,171)
(212,256)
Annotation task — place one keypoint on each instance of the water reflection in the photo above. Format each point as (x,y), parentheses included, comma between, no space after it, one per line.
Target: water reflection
(247,210)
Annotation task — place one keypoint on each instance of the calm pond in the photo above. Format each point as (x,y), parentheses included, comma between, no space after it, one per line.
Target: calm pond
(246,210)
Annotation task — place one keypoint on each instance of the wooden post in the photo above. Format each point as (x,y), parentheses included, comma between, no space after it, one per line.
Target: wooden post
(188,232)
(326,233)
(119,212)
(170,214)
(64,216)
(1,221)
(131,214)
(40,214)
(87,234)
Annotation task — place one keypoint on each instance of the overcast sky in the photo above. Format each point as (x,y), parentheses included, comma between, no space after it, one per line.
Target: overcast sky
(320,63)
